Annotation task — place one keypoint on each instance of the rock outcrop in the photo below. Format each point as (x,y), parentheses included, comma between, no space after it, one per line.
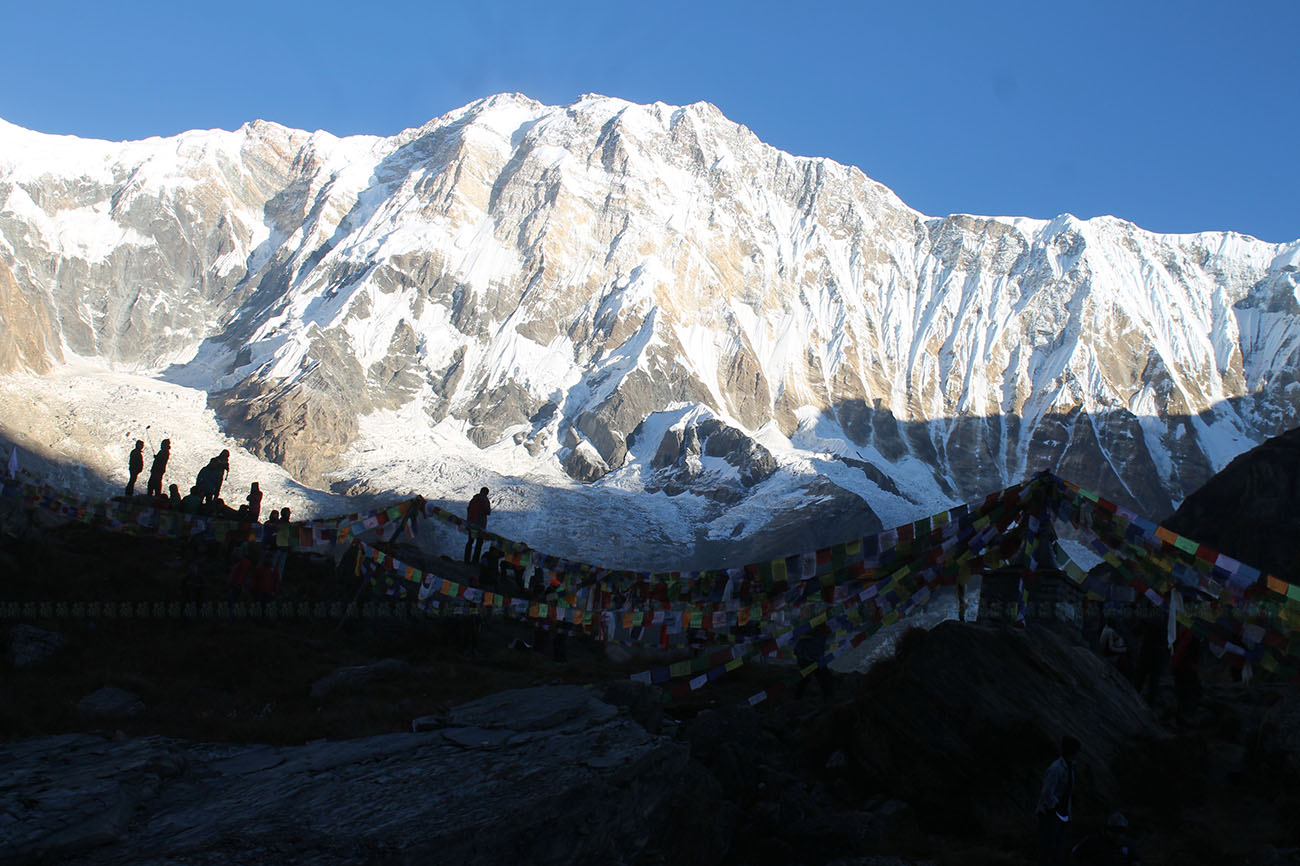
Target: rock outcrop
(1251,510)
(30,646)
(965,718)
(543,775)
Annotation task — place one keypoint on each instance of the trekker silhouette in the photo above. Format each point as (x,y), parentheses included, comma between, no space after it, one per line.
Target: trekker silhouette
(136,465)
(811,649)
(476,515)
(222,462)
(210,477)
(159,466)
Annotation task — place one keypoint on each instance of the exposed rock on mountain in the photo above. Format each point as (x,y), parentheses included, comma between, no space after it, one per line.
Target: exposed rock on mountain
(1251,510)
(551,284)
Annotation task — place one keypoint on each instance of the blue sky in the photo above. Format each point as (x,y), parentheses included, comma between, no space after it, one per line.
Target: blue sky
(1180,116)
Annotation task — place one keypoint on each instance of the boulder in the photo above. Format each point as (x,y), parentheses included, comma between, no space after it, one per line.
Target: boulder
(30,646)
(348,678)
(545,775)
(110,702)
(1249,510)
(966,717)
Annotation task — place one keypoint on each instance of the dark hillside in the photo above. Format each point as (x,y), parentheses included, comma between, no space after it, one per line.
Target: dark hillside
(1251,510)
(129,726)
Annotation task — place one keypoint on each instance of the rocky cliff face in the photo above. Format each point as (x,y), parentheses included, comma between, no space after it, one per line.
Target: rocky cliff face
(566,284)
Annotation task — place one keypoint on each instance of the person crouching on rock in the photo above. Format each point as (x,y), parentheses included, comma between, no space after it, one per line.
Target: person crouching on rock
(1054,804)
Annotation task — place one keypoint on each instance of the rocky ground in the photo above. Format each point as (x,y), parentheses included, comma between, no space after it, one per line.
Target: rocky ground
(387,740)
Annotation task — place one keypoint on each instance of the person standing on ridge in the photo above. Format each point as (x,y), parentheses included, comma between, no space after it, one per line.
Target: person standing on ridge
(476,514)
(158,468)
(1055,802)
(135,463)
(222,463)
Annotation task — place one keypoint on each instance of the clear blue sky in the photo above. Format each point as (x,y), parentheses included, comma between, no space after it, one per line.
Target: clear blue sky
(1181,116)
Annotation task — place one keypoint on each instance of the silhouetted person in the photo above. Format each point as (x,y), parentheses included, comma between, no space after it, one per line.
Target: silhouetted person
(174,497)
(222,462)
(476,514)
(1055,802)
(1115,846)
(488,571)
(205,482)
(255,501)
(1187,680)
(135,463)
(192,503)
(266,582)
(560,643)
(1153,653)
(158,468)
(281,559)
(811,649)
(241,574)
(1114,648)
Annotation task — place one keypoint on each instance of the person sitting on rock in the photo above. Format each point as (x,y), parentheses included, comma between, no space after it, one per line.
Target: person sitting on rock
(193,503)
(488,571)
(255,501)
(1112,847)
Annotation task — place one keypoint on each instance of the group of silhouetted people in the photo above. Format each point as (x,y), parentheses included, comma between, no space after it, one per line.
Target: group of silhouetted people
(205,494)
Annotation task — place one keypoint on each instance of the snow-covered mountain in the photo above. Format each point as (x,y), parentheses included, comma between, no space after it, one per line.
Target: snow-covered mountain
(637,311)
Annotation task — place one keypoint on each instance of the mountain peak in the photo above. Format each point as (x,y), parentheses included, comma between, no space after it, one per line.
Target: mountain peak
(645,302)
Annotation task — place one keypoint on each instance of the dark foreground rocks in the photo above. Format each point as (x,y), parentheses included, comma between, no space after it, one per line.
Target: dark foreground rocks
(544,775)
(936,756)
